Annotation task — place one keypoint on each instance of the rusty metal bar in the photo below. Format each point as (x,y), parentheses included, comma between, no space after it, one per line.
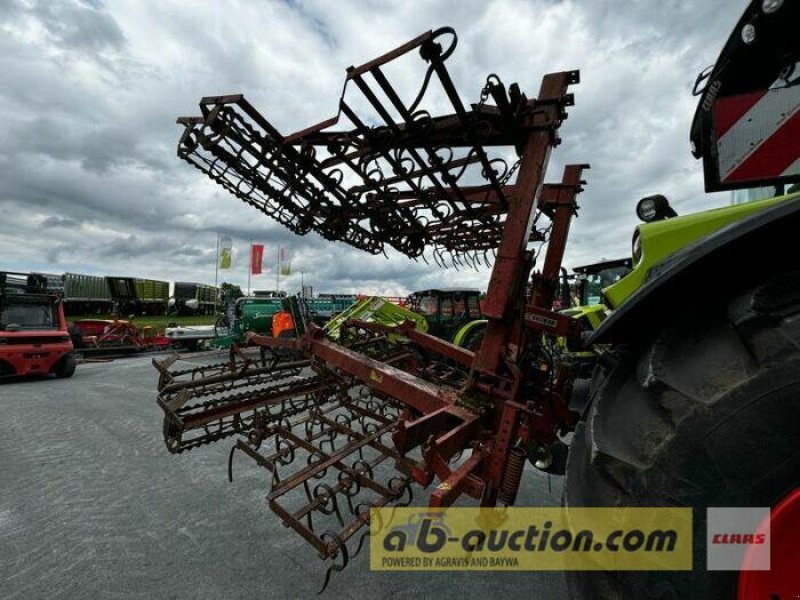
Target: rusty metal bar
(451,488)
(508,274)
(386,379)
(332,460)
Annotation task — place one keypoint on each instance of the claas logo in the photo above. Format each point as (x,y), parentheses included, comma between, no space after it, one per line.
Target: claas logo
(739,538)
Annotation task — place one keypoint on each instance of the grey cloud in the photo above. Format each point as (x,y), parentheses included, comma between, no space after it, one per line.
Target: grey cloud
(79,26)
(93,148)
(128,247)
(191,251)
(54,221)
(318,25)
(55,254)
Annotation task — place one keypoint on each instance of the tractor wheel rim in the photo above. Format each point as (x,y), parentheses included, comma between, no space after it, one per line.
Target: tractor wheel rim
(780,581)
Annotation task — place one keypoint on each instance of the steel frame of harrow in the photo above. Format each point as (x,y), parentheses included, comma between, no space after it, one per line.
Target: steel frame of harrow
(502,402)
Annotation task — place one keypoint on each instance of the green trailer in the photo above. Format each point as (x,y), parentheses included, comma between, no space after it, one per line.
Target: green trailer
(86,294)
(138,296)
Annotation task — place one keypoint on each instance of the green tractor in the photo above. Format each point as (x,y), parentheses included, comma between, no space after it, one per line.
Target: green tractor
(582,299)
(585,301)
(697,401)
(453,314)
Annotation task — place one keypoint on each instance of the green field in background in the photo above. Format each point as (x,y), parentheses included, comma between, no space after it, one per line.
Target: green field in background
(158,323)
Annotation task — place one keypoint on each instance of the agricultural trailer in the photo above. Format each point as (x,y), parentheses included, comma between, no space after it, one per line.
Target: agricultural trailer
(193,299)
(135,296)
(86,295)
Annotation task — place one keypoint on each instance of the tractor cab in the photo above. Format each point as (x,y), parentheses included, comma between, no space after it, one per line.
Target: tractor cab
(446,310)
(591,279)
(582,292)
(33,330)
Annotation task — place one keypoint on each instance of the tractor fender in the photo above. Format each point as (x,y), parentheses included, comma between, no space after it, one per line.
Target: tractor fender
(461,334)
(730,260)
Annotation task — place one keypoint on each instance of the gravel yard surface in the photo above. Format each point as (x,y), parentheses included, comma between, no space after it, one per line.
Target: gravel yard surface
(93,506)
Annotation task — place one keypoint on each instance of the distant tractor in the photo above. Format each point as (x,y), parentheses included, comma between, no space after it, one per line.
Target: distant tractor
(453,314)
(33,330)
(585,301)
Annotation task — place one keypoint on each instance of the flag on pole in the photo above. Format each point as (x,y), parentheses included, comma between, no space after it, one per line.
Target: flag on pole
(285,262)
(256,258)
(225,252)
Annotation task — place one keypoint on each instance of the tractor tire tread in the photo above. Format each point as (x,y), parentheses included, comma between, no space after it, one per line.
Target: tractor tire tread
(658,421)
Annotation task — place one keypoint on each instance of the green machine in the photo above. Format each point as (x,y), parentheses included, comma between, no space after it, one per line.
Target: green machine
(697,401)
(375,309)
(588,282)
(453,314)
(249,313)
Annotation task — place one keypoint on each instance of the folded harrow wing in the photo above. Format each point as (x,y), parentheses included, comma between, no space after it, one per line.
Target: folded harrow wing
(342,426)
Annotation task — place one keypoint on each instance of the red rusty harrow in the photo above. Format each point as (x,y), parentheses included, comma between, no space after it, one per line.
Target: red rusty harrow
(344,426)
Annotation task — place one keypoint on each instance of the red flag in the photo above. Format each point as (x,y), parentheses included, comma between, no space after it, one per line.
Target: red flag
(256,258)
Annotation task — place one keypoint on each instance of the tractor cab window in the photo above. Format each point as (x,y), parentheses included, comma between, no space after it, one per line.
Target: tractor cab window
(27,316)
(459,306)
(591,290)
(473,306)
(596,282)
(426,305)
(447,307)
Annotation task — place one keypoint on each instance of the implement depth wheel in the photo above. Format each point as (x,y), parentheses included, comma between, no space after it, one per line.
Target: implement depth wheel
(706,415)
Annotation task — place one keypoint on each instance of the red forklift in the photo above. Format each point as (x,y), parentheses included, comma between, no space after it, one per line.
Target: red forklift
(33,331)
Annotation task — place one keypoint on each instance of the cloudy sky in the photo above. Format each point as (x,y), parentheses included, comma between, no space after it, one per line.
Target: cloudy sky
(89,179)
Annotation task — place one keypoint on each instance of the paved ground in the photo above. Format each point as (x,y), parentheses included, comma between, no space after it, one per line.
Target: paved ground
(93,506)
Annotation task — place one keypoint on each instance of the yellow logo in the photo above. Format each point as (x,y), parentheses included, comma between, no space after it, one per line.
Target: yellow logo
(531,539)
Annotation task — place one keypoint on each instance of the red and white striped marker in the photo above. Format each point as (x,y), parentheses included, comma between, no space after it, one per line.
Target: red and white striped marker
(758,135)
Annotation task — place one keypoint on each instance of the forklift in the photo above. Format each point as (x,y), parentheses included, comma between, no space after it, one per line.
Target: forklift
(33,331)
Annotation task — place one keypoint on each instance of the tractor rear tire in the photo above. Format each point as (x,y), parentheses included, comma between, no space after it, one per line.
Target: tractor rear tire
(65,367)
(706,414)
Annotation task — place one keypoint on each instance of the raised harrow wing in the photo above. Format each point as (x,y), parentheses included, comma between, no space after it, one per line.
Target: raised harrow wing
(345,424)
(394,177)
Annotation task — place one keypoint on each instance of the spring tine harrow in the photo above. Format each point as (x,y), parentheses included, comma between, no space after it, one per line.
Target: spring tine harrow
(347,423)
(395,184)
(329,467)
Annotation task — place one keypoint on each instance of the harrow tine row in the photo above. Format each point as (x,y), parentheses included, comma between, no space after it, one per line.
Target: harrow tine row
(374,183)
(228,381)
(239,361)
(200,410)
(347,465)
